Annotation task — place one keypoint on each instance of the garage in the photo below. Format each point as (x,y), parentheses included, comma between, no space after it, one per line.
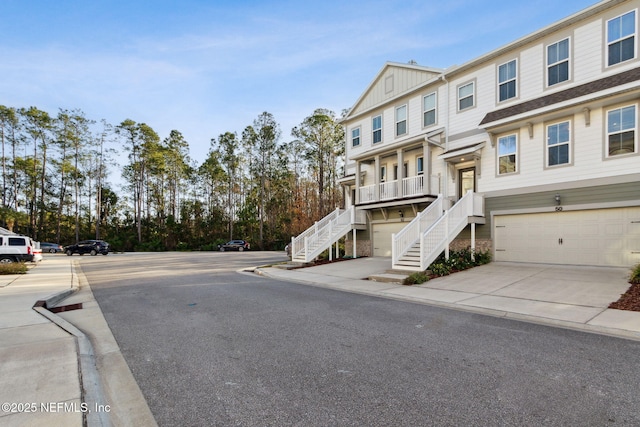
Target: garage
(598,237)
(382,236)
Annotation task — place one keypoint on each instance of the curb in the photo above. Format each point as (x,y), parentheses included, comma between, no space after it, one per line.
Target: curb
(92,392)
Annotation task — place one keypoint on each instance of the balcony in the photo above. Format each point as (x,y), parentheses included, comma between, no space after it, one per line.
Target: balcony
(413,186)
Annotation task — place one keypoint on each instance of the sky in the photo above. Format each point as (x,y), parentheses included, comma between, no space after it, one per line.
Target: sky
(205,67)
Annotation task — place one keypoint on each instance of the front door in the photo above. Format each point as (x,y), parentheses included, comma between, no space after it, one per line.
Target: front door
(466,181)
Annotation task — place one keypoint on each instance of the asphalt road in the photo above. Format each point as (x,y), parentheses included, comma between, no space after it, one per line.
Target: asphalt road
(212,347)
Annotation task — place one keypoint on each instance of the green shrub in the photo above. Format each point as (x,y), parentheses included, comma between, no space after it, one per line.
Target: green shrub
(416,278)
(483,258)
(634,278)
(13,268)
(182,246)
(440,269)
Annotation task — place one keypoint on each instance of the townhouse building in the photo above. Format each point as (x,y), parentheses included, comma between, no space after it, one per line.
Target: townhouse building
(529,151)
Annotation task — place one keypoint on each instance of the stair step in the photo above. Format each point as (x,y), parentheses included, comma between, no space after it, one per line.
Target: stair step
(407,264)
(388,277)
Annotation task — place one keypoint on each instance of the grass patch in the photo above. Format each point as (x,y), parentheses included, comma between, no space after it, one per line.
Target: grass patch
(13,268)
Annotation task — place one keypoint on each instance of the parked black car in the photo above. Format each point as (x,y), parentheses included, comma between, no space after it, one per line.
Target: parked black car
(93,247)
(235,245)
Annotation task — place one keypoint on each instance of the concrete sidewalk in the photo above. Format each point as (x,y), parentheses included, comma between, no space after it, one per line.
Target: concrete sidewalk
(49,372)
(574,297)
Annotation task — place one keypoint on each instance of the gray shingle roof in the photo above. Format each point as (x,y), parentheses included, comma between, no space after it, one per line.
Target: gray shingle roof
(564,95)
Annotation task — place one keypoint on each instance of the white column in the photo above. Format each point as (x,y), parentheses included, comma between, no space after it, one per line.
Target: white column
(355,253)
(473,241)
(426,168)
(358,183)
(400,176)
(376,176)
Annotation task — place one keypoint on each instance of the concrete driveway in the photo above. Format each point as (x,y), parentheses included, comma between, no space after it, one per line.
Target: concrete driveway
(568,296)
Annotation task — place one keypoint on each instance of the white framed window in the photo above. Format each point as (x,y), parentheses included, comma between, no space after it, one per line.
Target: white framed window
(558,62)
(420,165)
(507,154)
(401,120)
(376,126)
(621,38)
(429,110)
(383,173)
(507,80)
(355,137)
(466,96)
(559,144)
(621,131)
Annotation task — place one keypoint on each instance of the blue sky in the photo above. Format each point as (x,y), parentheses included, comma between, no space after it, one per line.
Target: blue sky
(207,67)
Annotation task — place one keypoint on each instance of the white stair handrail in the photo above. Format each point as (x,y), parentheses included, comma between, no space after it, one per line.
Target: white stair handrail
(434,240)
(410,234)
(298,243)
(329,234)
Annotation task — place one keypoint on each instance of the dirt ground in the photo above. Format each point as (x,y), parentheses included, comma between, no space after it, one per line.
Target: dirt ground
(630,300)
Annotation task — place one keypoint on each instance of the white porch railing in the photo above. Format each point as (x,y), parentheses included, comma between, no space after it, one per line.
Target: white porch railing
(436,238)
(410,235)
(367,194)
(411,186)
(388,190)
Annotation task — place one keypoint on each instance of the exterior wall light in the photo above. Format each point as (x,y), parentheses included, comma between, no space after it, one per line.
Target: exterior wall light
(557,199)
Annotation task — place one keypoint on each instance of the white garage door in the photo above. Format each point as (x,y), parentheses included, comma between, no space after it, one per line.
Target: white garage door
(382,236)
(605,237)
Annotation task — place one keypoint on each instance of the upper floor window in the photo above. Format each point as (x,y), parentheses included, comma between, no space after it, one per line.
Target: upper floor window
(376,126)
(383,173)
(466,96)
(507,154)
(558,62)
(621,131)
(507,80)
(429,110)
(621,32)
(558,140)
(355,137)
(401,120)
(420,165)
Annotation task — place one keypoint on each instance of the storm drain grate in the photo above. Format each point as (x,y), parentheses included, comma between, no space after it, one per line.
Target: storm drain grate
(62,308)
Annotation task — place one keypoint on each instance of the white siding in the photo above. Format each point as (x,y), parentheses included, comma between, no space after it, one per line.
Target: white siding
(532,72)
(463,128)
(587,52)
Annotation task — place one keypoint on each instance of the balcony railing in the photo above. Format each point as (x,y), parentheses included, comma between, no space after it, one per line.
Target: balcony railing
(388,190)
(411,187)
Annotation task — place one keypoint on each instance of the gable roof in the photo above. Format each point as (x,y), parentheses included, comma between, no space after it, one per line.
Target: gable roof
(392,81)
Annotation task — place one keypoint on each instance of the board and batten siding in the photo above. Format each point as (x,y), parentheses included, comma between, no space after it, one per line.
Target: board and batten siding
(403,80)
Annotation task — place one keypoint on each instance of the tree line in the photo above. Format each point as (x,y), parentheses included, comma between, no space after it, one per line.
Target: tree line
(252,186)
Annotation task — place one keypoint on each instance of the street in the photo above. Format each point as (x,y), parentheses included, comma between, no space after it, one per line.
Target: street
(211,346)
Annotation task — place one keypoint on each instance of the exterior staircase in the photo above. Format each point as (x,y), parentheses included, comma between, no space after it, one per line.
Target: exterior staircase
(405,252)
(418,245)
(324,233)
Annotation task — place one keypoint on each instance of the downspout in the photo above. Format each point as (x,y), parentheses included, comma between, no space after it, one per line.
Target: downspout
(445,187)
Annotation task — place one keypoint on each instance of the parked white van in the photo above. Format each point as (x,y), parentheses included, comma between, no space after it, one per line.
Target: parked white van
(15,248)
